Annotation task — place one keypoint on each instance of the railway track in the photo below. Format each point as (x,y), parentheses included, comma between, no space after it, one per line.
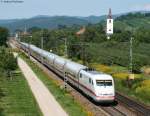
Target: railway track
(119,109)
(139,108)
(112,110)
(124,107)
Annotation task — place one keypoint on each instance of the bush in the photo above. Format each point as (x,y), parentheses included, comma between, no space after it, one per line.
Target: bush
(3,36)
(125,76)
(137,76)
(146,70)
(102,68)
(144,90)
(7,63)
(145,83)
(122,76)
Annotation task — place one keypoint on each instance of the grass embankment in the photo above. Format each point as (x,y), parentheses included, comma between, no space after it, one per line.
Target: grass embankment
(139,88)
(16,99)
(72,107)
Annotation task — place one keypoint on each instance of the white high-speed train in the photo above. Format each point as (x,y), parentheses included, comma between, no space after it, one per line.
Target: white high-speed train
(97,85)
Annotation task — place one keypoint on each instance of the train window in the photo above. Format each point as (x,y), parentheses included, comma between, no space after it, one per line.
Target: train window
(90,80)
(80,75)
(104,82)
(100,83)
(108,83)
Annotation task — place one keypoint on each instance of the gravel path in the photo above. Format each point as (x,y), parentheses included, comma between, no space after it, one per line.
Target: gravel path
(44,98)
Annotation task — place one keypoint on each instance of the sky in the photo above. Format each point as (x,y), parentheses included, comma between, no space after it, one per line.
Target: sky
(12,9)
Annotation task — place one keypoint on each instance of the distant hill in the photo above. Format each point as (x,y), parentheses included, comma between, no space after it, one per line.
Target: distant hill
(133,20)
(42,22)
(94,19)
(50,22)
(97,19)
(126,21)
(7,21)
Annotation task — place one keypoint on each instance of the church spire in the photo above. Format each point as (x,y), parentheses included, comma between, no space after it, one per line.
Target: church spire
(109,15)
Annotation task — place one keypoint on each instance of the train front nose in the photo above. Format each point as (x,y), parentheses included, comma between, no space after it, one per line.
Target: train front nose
(105,94)
(105,97)
(105,91)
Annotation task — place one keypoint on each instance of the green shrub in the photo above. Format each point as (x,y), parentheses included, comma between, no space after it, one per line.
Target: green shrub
(143,91)
(122,76)
(7,63)
(102,68)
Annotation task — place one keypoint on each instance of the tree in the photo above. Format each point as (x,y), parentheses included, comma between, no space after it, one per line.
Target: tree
(34,29)
(3,36)
(7,63)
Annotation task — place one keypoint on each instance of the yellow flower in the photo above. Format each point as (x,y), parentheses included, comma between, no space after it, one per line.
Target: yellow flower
(121,75)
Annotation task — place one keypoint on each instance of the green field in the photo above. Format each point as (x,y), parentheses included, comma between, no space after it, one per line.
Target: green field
(16,98)
(67,101)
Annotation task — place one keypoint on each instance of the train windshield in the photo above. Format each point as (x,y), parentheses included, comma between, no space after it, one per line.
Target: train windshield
(104,82)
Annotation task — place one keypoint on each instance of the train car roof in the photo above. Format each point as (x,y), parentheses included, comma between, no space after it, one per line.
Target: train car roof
(43,52)
(74,67)
(96,75)
(94,72)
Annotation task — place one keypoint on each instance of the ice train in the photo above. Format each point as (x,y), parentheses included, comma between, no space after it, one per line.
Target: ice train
(97,85)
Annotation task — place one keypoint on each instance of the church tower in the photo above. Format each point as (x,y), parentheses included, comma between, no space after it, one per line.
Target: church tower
(109,30)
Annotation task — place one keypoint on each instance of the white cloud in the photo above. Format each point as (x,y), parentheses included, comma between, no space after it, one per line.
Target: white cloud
(141,7)
(146,7)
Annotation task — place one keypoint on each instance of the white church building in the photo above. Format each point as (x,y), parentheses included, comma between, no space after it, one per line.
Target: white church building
(109,27)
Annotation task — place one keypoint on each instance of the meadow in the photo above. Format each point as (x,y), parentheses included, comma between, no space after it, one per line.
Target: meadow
(16,98)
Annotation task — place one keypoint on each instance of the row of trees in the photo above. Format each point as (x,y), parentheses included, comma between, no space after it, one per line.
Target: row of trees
(83,47)
(7,61)
(3,35)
